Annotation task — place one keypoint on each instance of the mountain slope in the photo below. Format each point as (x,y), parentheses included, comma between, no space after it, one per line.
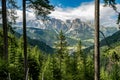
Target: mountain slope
(114,38)
(109,41)
(33,42)
(74,30)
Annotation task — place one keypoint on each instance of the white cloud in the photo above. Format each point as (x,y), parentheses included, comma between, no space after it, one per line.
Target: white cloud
(19,14)
(108,16)
(85,12)
(29,15)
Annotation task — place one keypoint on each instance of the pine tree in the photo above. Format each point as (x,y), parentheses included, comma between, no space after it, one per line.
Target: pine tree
(1,44)
(55,68)
(25,40)
(12,49)
(5,34)
(97,51)
(78,61)
(79,69)
(61,50)
(42,8)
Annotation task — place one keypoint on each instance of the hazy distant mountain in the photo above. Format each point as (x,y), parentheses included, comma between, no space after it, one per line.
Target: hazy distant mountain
(73,29)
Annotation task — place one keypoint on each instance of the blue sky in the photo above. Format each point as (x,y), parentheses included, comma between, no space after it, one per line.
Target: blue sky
(68,3)
(72,3)
(64,3)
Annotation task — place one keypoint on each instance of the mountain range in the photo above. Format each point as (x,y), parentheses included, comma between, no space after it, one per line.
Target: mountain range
(74,30)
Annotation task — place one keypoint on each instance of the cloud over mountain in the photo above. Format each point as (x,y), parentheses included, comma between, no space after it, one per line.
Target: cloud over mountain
(85,12)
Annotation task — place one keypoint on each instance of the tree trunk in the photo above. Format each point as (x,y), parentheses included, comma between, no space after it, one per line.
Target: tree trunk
(25,39)
(97,51)
(4,21)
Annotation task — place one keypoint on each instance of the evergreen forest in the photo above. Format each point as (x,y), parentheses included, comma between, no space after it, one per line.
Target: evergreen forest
(24,58)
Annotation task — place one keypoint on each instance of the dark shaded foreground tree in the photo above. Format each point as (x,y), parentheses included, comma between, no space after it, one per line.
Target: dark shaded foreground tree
(5,37)
(25,40)
(41,8)
(5,34)
(5,13)
(97,51)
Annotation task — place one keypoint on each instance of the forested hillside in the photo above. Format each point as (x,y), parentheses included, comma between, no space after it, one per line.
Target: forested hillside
(54,40)
(77,65)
